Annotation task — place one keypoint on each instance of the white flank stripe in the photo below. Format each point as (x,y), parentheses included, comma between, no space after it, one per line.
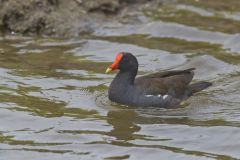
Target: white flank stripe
(165,96)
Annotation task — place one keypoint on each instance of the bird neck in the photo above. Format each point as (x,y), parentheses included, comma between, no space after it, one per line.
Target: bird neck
(121,88)
(126,77)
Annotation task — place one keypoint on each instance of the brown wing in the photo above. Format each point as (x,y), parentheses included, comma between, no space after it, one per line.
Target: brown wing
(174,83)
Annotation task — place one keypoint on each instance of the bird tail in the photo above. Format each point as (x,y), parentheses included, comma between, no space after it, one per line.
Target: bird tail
(196,87)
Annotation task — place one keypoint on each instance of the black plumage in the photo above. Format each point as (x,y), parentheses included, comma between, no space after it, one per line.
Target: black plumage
(161,89)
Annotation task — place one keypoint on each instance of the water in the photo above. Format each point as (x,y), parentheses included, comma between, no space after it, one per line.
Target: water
(53,92)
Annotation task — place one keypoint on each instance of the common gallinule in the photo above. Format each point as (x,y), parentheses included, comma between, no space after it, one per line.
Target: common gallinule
(161,89)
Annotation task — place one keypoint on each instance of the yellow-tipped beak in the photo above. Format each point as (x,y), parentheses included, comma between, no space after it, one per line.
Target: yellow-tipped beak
(108,70)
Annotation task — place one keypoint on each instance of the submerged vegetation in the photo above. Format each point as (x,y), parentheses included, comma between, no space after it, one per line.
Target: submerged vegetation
(170,13)
(174,45)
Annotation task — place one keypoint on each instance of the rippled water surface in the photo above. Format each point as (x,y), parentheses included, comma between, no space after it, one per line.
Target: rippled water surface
(53,92)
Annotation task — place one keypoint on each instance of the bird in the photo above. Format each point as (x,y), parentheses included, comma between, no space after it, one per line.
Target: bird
(161,89)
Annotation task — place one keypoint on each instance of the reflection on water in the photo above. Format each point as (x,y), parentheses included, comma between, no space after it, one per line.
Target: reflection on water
(53,92)
(123,124)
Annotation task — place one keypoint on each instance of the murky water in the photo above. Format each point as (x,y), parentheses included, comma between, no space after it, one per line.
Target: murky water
(53,92)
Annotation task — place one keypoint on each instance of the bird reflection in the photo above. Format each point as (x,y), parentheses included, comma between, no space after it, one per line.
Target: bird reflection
(123,124)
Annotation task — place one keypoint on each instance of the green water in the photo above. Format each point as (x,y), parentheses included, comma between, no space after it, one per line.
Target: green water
(53,92)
